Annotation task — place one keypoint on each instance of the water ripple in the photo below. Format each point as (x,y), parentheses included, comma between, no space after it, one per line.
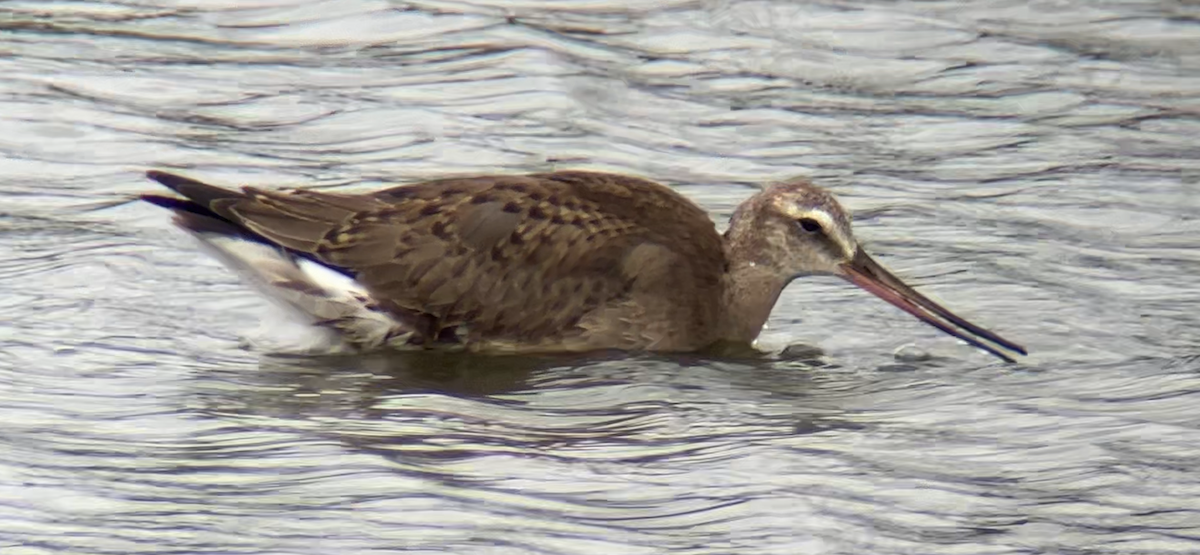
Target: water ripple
(1032,165)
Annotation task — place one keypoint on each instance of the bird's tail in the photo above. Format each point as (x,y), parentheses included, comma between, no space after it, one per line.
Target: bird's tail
(317,294)
(314,293)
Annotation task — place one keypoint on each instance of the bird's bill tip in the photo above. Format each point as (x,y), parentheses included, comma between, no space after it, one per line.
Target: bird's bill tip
(864,272)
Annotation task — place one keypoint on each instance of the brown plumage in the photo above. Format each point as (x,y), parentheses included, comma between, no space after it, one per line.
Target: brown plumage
(563,261)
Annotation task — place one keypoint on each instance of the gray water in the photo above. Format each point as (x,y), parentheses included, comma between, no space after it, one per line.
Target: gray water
(1034,165)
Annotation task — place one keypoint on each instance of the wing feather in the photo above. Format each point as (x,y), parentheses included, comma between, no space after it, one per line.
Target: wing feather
(522,259)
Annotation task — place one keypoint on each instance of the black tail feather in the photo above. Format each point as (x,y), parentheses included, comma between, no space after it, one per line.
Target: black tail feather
(195,215)
(179,205)
(199,219)
(200,193)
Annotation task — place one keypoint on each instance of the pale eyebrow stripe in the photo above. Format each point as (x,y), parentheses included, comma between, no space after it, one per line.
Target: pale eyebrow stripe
(830,227)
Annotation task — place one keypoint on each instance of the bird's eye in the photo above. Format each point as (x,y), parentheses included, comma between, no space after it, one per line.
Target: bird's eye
(809,225)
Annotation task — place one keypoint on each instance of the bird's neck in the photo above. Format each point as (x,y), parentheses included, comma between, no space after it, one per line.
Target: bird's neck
(751,286)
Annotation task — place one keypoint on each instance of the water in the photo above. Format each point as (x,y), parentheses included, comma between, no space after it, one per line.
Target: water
(1034,165)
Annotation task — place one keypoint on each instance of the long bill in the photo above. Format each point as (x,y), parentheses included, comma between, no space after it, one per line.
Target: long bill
(864,272)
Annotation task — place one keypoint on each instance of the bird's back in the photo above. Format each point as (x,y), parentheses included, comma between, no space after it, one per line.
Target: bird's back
(556,261)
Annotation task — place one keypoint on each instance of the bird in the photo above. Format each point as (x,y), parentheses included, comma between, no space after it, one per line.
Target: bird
(564,261)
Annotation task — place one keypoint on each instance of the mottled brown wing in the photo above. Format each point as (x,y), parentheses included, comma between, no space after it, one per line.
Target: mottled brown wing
(508,258)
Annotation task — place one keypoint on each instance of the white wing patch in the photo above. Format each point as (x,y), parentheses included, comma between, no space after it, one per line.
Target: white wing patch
(320,296)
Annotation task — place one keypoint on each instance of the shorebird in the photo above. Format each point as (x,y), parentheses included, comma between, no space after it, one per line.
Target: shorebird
(548,262)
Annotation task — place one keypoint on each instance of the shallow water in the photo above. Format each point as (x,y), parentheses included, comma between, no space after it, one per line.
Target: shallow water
(1033,165)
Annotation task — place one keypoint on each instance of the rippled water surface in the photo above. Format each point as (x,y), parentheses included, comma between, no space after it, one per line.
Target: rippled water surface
(1033,164)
